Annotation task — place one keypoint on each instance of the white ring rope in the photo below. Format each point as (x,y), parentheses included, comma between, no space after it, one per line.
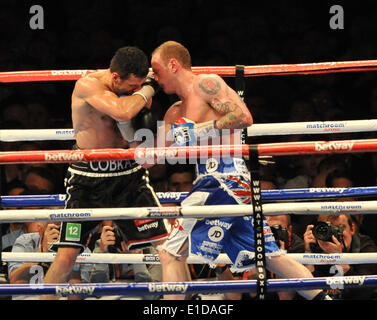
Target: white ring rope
(257,129)
(213,211)
(131,258)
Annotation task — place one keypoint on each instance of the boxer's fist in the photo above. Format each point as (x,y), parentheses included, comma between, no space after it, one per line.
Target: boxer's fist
(144,120)
(153,83)
(187,132)
(183,132)
(148,89)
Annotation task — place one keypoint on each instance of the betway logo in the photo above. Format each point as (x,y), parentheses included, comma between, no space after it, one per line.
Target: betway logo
(219,223)
(152,287)
(68,72)
(64,156)
(75,290)
(334,146)
(339,282)
(170,195)
(148,226)
(337,190)
(164,153)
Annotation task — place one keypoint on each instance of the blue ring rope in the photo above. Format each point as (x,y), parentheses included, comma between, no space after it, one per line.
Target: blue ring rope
(177,197)
(159,288)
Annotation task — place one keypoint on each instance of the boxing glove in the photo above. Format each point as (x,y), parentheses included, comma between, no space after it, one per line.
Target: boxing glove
(153,83)
(148,89)
(187,132)
(144,120)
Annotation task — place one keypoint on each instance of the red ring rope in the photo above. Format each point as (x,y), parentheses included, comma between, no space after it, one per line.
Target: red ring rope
(265,149)
(226,71)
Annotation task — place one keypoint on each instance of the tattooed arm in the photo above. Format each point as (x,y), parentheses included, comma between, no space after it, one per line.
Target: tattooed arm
(225,101)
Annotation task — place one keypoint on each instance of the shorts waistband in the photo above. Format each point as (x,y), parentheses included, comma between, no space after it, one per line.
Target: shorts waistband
(222,165)
(104,168)
(102,174)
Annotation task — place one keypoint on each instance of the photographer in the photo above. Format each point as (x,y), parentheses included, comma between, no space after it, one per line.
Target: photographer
(282,230)
(111,240)
(339,234)
(38,237)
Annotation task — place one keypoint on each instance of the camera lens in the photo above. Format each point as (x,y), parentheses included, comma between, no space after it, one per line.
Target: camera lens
(322,231)
(280,234)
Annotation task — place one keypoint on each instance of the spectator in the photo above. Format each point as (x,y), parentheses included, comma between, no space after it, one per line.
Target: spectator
(346,239)
(302,110)
(327,165)
(282,229)
(38,115)
(38,238)
(157,176)
(10,232)
(339,179)
(307,168)
(30,146)
(307,171)
(180,177)
(41,178)
(111,240)
(14,229)
(15,112)
(10,172)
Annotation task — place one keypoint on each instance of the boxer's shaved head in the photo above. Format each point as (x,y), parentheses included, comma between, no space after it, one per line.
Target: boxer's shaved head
(173,49)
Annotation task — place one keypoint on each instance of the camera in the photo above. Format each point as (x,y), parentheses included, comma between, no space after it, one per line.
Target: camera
(118,239)
(280,233)
(324,230)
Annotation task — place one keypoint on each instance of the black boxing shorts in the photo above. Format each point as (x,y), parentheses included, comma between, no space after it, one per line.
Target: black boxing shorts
(110,184)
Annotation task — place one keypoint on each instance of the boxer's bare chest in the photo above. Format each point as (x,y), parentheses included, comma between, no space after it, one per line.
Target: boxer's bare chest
(197,110)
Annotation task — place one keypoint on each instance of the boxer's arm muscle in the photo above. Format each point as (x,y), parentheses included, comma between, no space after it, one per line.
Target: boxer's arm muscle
(224,100)
(105,101)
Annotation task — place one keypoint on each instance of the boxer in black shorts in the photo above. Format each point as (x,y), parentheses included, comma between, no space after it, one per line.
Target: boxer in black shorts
(105,107)
(106,184)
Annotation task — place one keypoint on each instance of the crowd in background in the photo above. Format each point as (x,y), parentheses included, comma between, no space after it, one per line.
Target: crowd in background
(85,35)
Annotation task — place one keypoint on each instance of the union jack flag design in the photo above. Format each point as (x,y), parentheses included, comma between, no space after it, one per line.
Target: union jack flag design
(240,187)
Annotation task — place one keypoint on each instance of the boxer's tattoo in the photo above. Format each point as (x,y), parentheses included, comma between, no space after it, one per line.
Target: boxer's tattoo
(231,116)
(209,86)
(233,119)
(221,107)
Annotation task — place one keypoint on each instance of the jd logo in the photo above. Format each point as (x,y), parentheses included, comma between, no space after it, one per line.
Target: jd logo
(212,165)
(216,234)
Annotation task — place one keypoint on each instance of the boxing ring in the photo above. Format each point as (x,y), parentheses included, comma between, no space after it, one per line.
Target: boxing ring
(253,151)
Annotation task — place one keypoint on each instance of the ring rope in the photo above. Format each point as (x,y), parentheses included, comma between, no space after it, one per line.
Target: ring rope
(158,288)
(176,153)
(177,197)
(213,211)
(331,146)
(133,258)
(258,70)
(257,129)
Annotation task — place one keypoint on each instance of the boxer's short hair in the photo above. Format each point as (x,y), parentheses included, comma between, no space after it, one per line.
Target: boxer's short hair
(173,49)
(130,60)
